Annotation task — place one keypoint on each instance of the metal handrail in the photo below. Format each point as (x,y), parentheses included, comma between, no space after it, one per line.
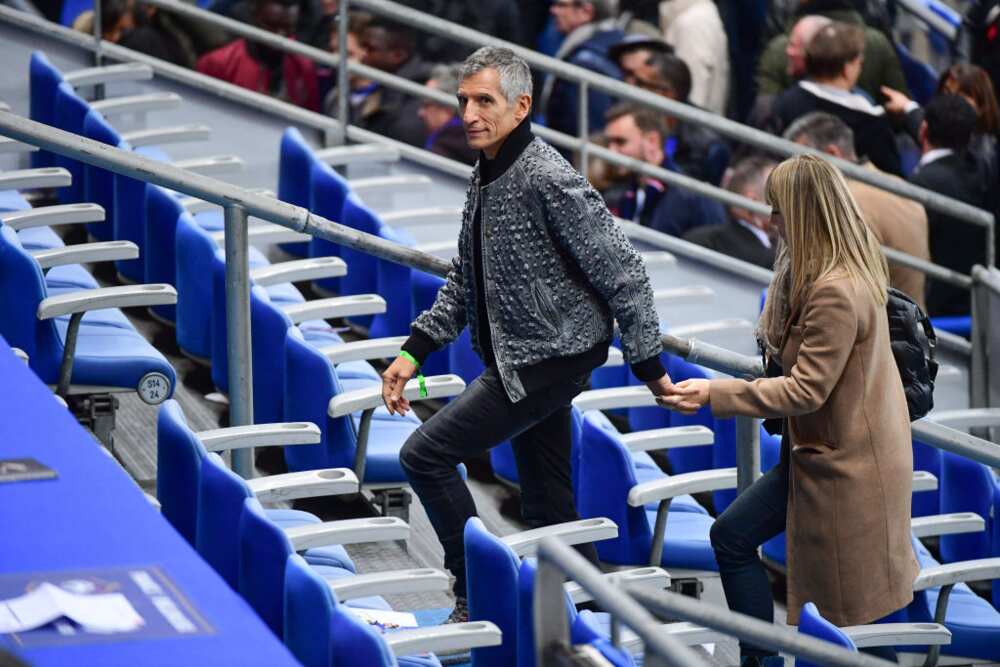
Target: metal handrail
(685,112)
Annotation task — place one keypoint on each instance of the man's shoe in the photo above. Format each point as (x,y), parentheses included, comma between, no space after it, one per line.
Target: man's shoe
(460,614)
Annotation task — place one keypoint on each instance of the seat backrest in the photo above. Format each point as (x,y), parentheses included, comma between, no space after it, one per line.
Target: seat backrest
(295,159)
(328,190)
(309,607)
(99,184)
(393,280)
(968,486)
(491,570)
(424,288)
(606,475)
(357,643)
(926,457)
(162,212)
(264,550)
(362,276)
(194,252)
(71,9)
(310,383)
(43,80)
(69,114)
(813,624)
(22,288)
(179,456)
(221,494)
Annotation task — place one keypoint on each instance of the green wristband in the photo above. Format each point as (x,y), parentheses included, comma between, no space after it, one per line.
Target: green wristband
(420,376)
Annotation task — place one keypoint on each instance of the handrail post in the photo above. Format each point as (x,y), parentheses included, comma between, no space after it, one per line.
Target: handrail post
(549,610)
(98,52)
(238,331)
(583,126)
(343,93)
(991,256)
(747,452)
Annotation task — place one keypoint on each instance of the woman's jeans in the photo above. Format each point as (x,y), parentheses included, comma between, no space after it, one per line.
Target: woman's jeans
(482,417)
(757,515)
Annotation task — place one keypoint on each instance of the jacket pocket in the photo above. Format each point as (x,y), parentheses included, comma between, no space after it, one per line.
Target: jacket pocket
(548,314)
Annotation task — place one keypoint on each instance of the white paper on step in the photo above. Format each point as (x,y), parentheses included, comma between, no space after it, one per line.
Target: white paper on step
(102,613)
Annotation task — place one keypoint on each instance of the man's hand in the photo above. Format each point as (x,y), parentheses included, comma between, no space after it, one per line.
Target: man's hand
(393,381)
(661,387)
(686,397)
(896,101)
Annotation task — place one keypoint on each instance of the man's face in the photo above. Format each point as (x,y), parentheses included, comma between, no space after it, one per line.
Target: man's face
(571,14)
(355,54)
(487,116)
(795,50)
(277,18)
(624,137)
(635,66)
(378,51)
(435,116)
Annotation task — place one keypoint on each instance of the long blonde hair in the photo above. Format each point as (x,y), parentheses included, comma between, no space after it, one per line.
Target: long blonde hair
(825,231)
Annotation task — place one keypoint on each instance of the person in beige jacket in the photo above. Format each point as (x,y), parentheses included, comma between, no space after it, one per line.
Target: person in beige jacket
(842,489)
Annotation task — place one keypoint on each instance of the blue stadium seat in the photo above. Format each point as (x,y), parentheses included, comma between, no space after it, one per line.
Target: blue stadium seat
(921,78)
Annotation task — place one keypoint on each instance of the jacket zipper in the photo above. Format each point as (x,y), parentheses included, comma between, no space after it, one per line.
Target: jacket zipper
(486,306)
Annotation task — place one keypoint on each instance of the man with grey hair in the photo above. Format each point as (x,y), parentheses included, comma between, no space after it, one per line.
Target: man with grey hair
(899,223)
(543,273)
(445,135)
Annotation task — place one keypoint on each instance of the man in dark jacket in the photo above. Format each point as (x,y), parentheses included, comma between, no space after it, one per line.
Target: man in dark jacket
(946,167)
(590,33)
(543,274)
(445,134)
(638,133)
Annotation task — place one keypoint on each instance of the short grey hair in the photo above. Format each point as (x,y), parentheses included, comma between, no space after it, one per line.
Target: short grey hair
(515,76)
(447,77)
(819,130)
(603,9)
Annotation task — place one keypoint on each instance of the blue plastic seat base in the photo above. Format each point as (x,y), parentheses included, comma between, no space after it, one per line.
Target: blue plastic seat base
(333,573)
(687,544)
(334,555)
(39,238)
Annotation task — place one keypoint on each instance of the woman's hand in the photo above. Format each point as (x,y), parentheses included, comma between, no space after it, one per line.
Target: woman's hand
(686,397)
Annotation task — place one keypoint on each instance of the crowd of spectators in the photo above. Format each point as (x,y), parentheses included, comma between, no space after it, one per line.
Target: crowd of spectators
(830,74)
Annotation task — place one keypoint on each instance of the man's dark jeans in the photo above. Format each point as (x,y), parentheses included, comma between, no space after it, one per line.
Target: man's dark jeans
(479,419)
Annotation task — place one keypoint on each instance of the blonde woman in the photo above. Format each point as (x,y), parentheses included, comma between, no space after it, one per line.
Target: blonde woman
(842,489)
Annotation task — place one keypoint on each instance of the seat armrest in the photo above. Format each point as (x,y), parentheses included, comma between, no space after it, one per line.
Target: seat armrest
(315,268)
(679,485)
(215,165)
(393,184)
(93,76)
(20,354)
(947,524)
(363,350)
(924,481)
(167,135)
(700,329)
(616,397)
(27,179)
(137,103)
(963,419)
(683,296)
(155,294)
(898,634)
(438,386)
(49,216)
(658,260)
(348,531)
(85,253)
(420,216)
(4,106)
(8,145)
(305,484)
(260,435)
(335,307)
(615,358)
(672,437)
(443,638)
(582,531)
(339,156)
(393,582)
(265,234)
(983,569)
(650,578)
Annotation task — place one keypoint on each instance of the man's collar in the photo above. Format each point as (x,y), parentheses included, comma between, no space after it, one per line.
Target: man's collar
(510,150)
(933,155)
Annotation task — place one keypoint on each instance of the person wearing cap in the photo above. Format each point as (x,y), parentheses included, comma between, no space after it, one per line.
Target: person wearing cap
(634,56)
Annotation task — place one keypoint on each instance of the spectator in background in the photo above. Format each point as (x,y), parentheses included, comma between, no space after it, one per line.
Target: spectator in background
(359,87)
(880,67)
(638,133)
(947,167)
(899,223)
(634,57)
(745,235)
(445,133)
(589,33)
(795,64)
(117,18)
(391,47)
(696,150)
(833,63)
(973,84)
(265,69)
(694,28)
(497,18)
(160,35)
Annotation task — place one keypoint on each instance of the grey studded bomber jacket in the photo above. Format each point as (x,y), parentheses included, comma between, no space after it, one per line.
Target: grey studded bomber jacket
(558,271)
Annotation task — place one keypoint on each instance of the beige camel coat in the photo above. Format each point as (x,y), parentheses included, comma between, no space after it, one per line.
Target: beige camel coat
(849,451)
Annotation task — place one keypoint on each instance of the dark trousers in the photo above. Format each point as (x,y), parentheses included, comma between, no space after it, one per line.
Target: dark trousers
(757,515)
(539,429)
